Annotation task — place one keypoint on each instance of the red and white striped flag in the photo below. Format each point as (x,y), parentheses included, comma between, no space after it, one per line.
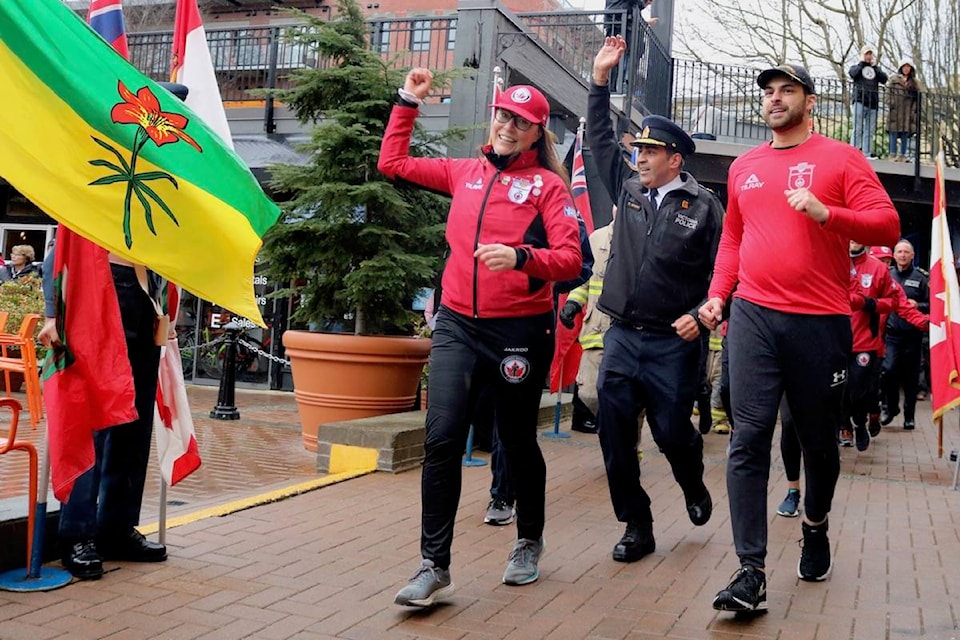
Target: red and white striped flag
(192,66)
(944,310)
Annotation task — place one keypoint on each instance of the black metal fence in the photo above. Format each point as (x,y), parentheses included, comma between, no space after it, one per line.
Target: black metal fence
(721,100)
(725,101)
(248,60)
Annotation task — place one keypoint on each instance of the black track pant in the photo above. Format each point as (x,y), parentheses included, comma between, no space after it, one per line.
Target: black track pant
(513,355)
(803,358)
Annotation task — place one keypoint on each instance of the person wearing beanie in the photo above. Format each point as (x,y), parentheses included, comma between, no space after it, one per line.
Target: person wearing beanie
(867,78)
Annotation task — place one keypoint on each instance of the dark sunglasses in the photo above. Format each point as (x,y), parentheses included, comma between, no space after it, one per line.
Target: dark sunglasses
(503,117)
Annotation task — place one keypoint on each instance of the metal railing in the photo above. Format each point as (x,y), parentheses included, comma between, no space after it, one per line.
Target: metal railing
(248,60)
(725,101)
(698,95)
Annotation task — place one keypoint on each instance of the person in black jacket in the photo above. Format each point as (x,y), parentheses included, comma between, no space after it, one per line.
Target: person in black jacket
(660,262)
(901,364)
(867,77)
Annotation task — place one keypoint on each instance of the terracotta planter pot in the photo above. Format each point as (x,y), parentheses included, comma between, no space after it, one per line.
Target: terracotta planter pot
(342,377)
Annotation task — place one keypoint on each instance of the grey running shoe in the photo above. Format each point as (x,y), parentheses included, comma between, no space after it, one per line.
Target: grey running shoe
(427,585)
(747,591)
(499,513)
(522,566)
(815,561)
(790,507)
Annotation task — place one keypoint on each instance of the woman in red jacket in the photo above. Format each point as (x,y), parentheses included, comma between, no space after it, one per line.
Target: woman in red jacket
(512,230)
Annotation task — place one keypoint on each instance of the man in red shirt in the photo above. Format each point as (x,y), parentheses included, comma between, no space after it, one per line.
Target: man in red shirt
(793,205)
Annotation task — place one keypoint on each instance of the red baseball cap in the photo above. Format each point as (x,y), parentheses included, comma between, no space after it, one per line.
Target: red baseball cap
(881,252)
(525,101)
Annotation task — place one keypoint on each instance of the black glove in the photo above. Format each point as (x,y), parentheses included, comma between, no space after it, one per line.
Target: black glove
(869,305)
(569,312)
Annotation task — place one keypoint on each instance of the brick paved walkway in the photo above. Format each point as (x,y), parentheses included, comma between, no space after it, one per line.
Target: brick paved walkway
(326,564)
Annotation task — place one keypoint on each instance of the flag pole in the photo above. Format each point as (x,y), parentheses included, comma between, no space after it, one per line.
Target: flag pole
(36,577)
(162,524)
(556,433)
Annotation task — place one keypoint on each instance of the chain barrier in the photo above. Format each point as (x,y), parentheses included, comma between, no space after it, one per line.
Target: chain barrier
(261,352)
(190,347)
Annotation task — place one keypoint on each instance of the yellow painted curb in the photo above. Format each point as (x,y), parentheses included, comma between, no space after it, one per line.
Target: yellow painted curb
(362,463)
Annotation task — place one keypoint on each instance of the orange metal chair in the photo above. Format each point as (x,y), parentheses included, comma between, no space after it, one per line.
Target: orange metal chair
(9,445)
(26,364)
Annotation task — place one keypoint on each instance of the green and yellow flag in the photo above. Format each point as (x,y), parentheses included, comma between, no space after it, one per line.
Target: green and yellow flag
(108,152)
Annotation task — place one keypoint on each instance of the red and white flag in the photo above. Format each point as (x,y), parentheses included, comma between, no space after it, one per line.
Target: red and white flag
(944,308)
(192,66)
(176,439)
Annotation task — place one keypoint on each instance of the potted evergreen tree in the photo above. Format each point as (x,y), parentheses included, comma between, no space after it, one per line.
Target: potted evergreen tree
(356,247)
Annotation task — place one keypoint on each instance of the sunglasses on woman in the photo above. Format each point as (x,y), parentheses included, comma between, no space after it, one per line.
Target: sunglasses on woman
(503,117)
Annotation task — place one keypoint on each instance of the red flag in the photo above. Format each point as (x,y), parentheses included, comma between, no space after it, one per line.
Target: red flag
(567,350)
(192,66)
(944,308)
(578,181)
(88,384)
(106,18)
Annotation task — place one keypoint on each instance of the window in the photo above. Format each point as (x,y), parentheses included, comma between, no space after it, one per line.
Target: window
(420,39)
(451,34)
(383,37)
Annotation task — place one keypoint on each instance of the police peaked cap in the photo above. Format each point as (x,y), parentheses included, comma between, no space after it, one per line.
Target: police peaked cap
(657,131)
(177,89)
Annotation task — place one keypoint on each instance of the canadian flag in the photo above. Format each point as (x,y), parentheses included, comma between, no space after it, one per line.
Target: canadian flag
(944,308)
(192,66)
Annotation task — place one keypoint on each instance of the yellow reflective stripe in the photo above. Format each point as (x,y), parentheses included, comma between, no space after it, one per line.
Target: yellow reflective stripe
(578,295)
(592,341)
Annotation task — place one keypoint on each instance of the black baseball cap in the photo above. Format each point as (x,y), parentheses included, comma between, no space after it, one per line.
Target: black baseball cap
(793,71)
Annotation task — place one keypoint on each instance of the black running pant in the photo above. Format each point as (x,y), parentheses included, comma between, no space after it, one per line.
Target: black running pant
(513,355)
(801,357)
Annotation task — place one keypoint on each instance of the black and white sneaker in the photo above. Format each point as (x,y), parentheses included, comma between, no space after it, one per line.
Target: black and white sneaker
(815,560)
(747,591)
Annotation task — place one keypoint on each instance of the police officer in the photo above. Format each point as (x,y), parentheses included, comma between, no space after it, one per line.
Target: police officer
(661,257)
(901,365)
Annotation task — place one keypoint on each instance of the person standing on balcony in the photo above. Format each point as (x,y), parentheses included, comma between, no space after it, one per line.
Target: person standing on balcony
(867,78)
(512,230)
(801,189)
(902,98)
(661,257)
